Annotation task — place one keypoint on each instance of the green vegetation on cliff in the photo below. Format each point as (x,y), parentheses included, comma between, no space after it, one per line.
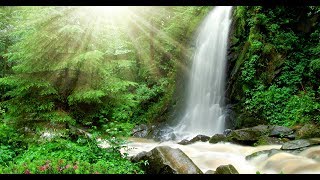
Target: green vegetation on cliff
(274,65)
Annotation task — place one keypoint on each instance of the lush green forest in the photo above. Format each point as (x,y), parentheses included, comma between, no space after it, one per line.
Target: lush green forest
(70,75)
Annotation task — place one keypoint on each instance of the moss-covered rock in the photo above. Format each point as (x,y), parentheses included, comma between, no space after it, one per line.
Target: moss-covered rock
(256,135)
(248,136)
(226,169)
(266,140)
(218,138)
(308,131)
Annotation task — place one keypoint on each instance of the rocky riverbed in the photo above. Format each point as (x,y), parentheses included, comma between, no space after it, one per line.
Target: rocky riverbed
(259,149)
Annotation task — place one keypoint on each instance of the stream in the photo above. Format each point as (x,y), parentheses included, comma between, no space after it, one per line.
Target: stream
(209,156)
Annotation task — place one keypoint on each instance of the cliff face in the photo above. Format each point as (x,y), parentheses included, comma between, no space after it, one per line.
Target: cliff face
(273,66)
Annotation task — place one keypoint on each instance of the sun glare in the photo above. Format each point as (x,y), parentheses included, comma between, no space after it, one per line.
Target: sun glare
(135,24)
(107,11)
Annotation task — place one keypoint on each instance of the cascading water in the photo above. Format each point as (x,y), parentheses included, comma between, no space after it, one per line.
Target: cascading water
(204,110)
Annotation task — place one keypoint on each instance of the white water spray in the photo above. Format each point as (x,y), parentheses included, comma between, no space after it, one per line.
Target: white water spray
(204,110)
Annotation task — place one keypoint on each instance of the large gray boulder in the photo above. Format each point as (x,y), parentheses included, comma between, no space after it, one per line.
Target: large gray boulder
(248,136)
(300,144)
(226,169)
(281,132)
(166,160)
(261,134)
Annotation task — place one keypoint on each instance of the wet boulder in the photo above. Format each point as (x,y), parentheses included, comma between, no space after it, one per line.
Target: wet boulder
(308,131)
(166,160)
(201,138)
(267,152)
(300,144)
(281,132)
(161,132)
(217,138)
(184,142)
(266,140)
(141,131)
(248,136)
(158,132)
(227,131)
(226,169)
(261,135)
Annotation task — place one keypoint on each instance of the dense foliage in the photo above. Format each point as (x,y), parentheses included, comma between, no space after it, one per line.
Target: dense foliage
(65,157)
(276,57)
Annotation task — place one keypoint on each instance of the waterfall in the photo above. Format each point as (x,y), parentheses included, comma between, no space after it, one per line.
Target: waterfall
(204,106)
